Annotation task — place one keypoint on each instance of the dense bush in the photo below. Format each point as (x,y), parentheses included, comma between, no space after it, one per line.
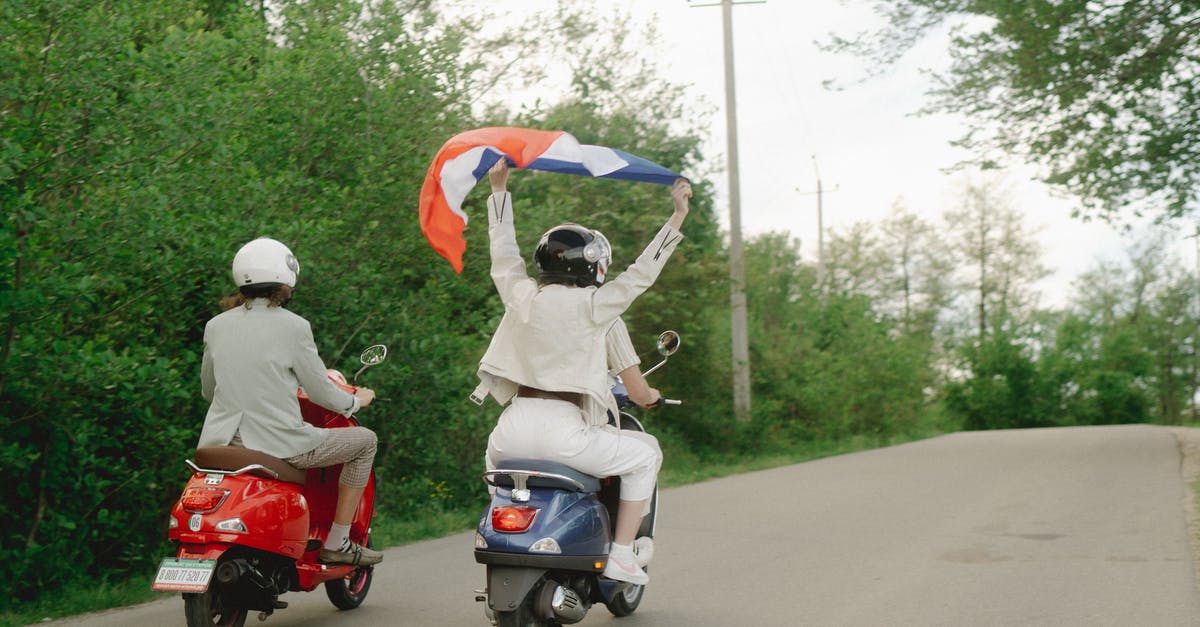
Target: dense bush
(141,144)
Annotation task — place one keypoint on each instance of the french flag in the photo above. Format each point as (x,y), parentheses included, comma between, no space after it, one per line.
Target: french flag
(467,157)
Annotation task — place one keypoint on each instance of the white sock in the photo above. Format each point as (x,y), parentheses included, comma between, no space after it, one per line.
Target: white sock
(623,553)
(338,538)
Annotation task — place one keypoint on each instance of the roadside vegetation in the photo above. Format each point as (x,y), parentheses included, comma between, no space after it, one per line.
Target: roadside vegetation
(141,143)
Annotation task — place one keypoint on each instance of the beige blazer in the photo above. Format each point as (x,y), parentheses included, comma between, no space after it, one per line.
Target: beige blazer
(552,337)
(254,361)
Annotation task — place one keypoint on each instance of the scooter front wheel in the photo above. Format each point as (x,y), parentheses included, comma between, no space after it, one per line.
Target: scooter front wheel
(206,610)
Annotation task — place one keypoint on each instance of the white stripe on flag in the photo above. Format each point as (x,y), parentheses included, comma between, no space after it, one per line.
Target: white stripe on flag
(598,160)
(458,178)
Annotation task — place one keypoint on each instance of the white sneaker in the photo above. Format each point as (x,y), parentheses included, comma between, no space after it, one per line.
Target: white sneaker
(643,549)
(623,566)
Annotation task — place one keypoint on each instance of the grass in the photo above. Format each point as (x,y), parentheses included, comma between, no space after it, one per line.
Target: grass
(681,468)
(81,599)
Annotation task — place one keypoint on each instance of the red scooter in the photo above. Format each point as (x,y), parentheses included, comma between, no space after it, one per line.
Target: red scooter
(250,526)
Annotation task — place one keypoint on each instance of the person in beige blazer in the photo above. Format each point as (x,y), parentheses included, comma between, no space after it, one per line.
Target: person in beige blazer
(549,358)
(256,355)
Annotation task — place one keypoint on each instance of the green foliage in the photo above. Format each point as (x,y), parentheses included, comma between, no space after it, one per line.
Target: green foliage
(140,145)
(826,365)
(1101,94)
(1002,390)
(1125,352)
(1097,371)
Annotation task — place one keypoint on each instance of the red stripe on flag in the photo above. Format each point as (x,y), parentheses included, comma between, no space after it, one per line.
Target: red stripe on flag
(441,226)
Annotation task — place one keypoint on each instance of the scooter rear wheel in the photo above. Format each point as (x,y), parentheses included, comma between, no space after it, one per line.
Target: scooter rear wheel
(350,592)
(626,601)
(206,610)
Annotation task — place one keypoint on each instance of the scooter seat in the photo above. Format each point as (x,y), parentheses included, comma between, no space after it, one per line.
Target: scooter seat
(237,458)
(550,475)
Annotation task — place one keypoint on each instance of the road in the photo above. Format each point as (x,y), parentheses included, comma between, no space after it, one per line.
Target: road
(1081,526)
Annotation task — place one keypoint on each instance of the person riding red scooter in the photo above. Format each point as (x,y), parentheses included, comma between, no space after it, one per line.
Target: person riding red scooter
(250,515)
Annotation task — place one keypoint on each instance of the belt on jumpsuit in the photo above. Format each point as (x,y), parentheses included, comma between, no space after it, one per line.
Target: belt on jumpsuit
(528,392)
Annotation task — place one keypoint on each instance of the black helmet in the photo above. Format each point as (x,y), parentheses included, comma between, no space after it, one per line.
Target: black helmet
(572,254)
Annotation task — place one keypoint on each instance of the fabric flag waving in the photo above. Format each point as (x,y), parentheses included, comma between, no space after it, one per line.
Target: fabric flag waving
(466,158)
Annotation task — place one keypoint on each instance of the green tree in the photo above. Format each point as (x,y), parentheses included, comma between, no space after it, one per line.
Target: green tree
(1130,339)
(901,264)
(140,144)
(921,269)
(1101,94)
(1003,387)
(830,365)
(1000,256)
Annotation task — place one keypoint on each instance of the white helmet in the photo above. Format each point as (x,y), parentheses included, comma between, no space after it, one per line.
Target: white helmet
(265,261)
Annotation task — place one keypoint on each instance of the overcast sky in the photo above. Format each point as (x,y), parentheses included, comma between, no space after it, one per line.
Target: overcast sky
(869,146)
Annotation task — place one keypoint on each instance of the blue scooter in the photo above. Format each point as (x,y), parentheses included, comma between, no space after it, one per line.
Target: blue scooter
(545,537)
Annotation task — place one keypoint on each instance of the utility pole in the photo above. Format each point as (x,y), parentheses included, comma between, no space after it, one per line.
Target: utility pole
(737,271)
(820,225)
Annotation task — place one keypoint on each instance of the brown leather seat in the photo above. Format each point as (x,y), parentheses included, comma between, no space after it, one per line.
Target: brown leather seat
(237,457)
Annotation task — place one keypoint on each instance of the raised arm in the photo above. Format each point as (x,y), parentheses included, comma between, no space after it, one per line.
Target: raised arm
(508,268)
(614,297)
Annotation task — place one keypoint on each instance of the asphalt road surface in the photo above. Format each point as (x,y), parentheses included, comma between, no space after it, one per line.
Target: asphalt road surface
(1081,526)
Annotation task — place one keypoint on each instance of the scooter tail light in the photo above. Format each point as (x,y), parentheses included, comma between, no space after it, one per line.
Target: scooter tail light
(513,519)
(202,500)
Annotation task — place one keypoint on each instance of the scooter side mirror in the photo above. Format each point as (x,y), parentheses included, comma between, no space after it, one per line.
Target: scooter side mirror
(371,356)
(668,343)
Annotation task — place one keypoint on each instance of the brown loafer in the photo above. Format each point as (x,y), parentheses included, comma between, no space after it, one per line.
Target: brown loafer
(355,556)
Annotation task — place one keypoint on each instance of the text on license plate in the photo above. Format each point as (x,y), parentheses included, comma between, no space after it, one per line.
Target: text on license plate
(184,575)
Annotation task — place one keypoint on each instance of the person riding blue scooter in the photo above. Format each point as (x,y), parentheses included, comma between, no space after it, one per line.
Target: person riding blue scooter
(550,358)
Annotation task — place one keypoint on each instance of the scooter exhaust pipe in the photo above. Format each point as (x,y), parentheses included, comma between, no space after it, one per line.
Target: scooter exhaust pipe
(563,603)
(230,572)
(237,570)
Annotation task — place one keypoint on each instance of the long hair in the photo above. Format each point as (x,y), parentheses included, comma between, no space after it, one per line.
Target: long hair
(277,295)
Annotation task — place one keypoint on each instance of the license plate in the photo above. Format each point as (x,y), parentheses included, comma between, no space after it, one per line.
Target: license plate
(184,575)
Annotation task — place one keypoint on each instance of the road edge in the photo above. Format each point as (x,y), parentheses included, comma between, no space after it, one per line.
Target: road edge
(1189,469)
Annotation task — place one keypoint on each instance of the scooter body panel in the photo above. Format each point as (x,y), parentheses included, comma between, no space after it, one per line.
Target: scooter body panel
(273,513)
(509,585)
(321,490)
(575,520)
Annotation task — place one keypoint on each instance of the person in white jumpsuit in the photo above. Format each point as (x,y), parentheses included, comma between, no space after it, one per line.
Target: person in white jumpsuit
(551,355)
